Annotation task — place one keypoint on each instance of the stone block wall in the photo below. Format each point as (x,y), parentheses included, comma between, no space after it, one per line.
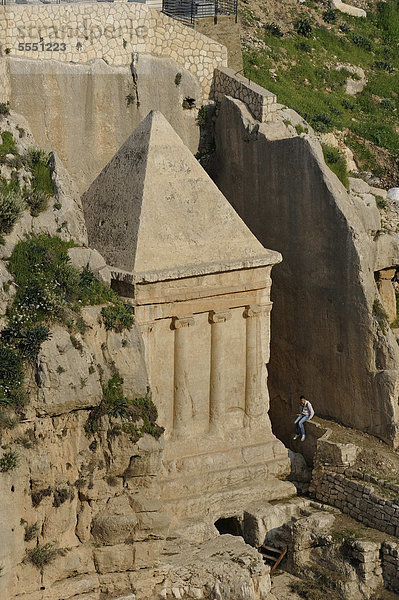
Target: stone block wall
(227,32)
(82,32)
(261,102)
(390,565)
(4,86)
(353,493)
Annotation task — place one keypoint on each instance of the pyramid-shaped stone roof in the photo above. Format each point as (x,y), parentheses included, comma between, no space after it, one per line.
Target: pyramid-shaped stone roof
(153,211)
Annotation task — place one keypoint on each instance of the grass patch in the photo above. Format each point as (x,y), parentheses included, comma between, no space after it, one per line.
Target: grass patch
(137,416)
(38,495)
(346,535)
(301,129)
(9,461)
(118,316)
(337,163)
(8,145)
(40,556)
(307,77)
(4,109)
(11,207)
(13,197)
(61,495)
(319,584)
(40,166)
(31,531)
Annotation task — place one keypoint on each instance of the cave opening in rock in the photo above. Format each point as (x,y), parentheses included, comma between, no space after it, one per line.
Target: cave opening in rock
(231,525)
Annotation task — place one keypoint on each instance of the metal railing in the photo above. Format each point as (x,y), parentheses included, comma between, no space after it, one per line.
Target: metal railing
(188,11)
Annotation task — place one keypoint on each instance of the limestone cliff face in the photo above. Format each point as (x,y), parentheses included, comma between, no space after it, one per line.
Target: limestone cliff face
(328,339)
(85,112)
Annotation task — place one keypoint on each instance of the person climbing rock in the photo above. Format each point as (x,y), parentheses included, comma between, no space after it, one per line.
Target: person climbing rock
(306,413)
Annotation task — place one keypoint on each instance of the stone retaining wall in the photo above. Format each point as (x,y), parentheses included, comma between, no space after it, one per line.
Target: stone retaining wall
(338,487)
(390,565)
(84,32)
(261,102)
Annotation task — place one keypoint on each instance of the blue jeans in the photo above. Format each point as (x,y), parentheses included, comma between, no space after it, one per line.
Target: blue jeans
(299,421)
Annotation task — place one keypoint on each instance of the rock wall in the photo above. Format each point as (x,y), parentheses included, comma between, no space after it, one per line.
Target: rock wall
(327,341)
(81,33)
(227,32)
(390,566)
(86,111)
(4,83)
(84,75)
(341,487)
(260,102)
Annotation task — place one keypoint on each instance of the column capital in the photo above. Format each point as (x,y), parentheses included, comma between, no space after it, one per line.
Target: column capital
(253,310)
(182,321)
(219,316)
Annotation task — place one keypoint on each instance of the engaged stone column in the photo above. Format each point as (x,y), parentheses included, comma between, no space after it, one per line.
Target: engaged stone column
(217,390)
(147,333)
(256,357)
(182,411)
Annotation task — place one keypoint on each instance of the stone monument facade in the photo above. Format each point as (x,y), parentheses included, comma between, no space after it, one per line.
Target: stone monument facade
(200,283)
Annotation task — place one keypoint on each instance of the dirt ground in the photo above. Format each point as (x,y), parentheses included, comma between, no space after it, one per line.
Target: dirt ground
(375,458)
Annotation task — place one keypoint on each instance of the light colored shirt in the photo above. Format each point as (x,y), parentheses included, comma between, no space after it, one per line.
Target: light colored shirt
(307,409)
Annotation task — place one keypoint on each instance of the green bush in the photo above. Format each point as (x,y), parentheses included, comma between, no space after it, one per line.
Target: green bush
(4,109)
(37,200)
(381,203)
(322,122)
(40,166)
(201,117)
(31,531)
(61,495)
(91,291)
(336,162)
(118,316)
(363,42)
(130,411)
(178,78)
(11,208)
(42,555)
(273,29)
(30,341)
(303,27)
(329,16)
(387,19)
(8,145)
(348,104)
(11,372)
(9,461)
(303,46)
(384,65)
(301,129)
(38,495)
(309,82)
